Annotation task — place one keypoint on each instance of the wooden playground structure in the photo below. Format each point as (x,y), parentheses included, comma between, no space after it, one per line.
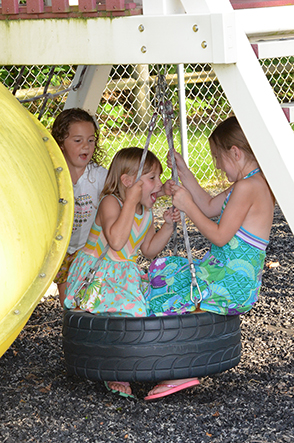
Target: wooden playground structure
(229,35)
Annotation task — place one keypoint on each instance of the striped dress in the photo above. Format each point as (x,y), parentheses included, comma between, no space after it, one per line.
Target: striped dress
(117,288)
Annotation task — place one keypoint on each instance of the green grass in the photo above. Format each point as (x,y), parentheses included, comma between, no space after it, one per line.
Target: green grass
(198,149)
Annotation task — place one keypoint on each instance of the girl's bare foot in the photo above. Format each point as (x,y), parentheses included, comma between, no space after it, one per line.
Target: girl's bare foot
(121,387)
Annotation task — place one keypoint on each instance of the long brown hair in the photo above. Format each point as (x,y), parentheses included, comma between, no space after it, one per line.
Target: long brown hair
(127,161)
(61,127)
(227,134)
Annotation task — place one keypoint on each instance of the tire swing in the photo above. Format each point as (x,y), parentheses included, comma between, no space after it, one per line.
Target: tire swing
(109,348)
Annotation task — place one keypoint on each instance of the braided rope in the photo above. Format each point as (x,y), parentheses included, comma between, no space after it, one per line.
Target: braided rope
(167,114)
(51,73)
(144,154)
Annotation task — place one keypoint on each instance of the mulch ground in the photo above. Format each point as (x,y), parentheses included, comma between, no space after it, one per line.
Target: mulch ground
(253,402)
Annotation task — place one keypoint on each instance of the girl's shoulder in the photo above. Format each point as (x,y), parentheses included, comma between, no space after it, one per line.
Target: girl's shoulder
(254,181)
(110,199)
(253,188)
(108,206)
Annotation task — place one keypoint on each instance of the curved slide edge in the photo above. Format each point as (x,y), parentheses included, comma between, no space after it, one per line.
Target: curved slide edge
(36,192)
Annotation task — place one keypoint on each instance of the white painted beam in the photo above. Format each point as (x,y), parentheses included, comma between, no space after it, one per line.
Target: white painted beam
(266,22)
(283,47)
(167,35)
(178,38)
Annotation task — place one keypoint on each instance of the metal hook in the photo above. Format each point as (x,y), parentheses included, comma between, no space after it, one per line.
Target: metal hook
(193,300)
(194,284)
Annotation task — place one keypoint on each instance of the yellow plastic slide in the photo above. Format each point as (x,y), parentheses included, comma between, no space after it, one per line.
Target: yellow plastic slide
(36,200)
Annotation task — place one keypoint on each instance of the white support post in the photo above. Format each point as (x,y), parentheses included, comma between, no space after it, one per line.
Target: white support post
(89,94)
(141,93)
(183,113)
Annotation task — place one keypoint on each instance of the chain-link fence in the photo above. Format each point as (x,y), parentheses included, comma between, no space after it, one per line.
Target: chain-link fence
(127,104)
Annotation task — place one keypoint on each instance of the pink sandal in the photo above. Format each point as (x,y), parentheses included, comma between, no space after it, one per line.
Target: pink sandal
(173,389)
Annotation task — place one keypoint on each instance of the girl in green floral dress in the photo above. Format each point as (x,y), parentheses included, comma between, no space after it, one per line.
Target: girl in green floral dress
(229,275)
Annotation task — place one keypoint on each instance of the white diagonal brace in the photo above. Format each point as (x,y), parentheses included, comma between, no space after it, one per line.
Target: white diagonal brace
(89,94)
(259,114)
(262,120)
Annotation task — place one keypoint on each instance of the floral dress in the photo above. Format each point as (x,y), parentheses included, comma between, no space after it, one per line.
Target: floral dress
(229,277)
(117,288)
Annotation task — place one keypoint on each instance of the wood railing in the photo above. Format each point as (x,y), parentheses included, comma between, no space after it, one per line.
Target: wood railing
(32,9)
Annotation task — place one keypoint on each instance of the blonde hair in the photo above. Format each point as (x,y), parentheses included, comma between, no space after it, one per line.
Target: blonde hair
(227,134)
(127,161)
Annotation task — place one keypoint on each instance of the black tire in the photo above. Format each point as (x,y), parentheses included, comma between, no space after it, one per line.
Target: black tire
(150,348)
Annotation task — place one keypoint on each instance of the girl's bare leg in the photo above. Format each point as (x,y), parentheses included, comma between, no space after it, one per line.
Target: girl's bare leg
(61,290)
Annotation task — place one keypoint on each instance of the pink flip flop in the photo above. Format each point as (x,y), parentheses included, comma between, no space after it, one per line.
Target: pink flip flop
(174,388)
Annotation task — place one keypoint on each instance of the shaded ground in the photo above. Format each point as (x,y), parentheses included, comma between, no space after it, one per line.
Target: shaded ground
(253,402)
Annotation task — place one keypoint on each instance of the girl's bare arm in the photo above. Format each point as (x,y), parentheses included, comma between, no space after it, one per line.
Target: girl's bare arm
(210,206)
(233,217)
(154,242)
(117,222)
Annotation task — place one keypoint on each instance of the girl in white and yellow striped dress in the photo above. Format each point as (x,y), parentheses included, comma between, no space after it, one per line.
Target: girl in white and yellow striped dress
(124,220)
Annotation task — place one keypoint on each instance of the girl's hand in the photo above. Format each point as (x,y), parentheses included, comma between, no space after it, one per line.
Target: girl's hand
(182,199)
(166,188)
(180,162)
(134,192)
(172,215)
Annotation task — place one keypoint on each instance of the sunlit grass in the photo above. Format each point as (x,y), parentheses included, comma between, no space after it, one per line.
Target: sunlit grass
(200,161)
